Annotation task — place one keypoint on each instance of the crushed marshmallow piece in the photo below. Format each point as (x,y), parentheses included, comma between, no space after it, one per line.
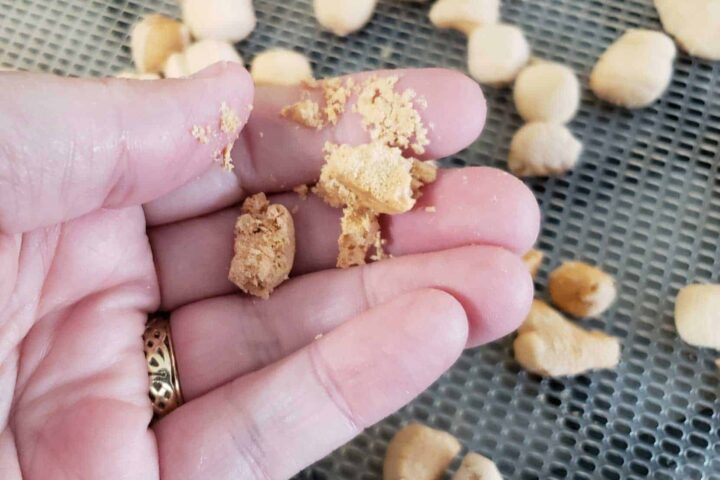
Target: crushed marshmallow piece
(359,229)
(264,246)
(422,173)
(372,175)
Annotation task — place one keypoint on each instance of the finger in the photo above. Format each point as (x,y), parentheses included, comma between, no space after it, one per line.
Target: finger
(266,425)
(275,154)
(472,206)
(71,146)
(221,338)
(9,263)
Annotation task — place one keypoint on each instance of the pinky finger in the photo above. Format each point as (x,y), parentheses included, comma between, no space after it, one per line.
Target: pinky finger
(272,423)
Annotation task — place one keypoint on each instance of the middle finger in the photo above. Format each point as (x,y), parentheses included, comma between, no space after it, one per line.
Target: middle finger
(472,206)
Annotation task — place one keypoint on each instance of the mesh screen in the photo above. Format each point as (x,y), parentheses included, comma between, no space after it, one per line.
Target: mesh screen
(644,204)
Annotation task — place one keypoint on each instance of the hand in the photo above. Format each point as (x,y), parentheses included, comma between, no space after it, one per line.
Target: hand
(78,277)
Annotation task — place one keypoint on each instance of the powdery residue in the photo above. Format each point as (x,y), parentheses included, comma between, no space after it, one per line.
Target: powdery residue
(389,116)
(306,112)
(336,93)
(372,176)
(225,157)
(229,124)
(201,134)
(229,120)
(302,190)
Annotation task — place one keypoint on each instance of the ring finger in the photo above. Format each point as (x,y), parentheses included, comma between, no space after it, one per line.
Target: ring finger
(222,338)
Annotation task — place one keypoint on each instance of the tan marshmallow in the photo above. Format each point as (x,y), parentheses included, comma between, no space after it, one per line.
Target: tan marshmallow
(343,17)
(541,149)
(154,39)
(695,24)
(199,56)
(547,92)
(581,289)
(224,20)
(130,75)
(497,53)
(635,70)
(279,66)
(550,345)
(476,467)
(533,259)
(464,15)
(418,452)
(697,315)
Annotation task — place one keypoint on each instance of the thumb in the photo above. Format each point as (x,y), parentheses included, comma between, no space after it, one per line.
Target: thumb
(70,146)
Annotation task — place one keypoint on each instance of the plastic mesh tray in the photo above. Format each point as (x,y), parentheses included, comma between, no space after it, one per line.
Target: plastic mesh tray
(644,204)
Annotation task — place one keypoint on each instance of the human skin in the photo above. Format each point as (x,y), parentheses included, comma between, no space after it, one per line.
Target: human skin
(110,210)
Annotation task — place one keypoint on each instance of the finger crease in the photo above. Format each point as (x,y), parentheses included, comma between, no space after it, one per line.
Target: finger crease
(247,441)
(367,292)
(324,375)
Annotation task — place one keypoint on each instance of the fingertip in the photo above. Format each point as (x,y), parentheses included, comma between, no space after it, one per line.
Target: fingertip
(504,311)
(472,205)
(230,82)
(511,199)
(445,322)
(177,129)
(456,110)
(520,206)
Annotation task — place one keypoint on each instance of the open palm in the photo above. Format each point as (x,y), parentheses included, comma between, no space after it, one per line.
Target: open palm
(82,263)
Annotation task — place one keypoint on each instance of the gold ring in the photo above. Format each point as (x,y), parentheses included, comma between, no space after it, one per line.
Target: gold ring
(165,392)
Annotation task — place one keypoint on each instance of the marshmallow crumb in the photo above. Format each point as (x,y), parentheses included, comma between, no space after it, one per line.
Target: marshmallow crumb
(302,190)
(225,157)
(201,134)
(229,120)
(305,112)
(389,116)
(336,93)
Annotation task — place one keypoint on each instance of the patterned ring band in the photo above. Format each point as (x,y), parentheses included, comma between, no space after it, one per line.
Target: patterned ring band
(165,390)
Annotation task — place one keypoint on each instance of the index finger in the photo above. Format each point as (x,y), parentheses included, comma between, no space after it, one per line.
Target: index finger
(275,153)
